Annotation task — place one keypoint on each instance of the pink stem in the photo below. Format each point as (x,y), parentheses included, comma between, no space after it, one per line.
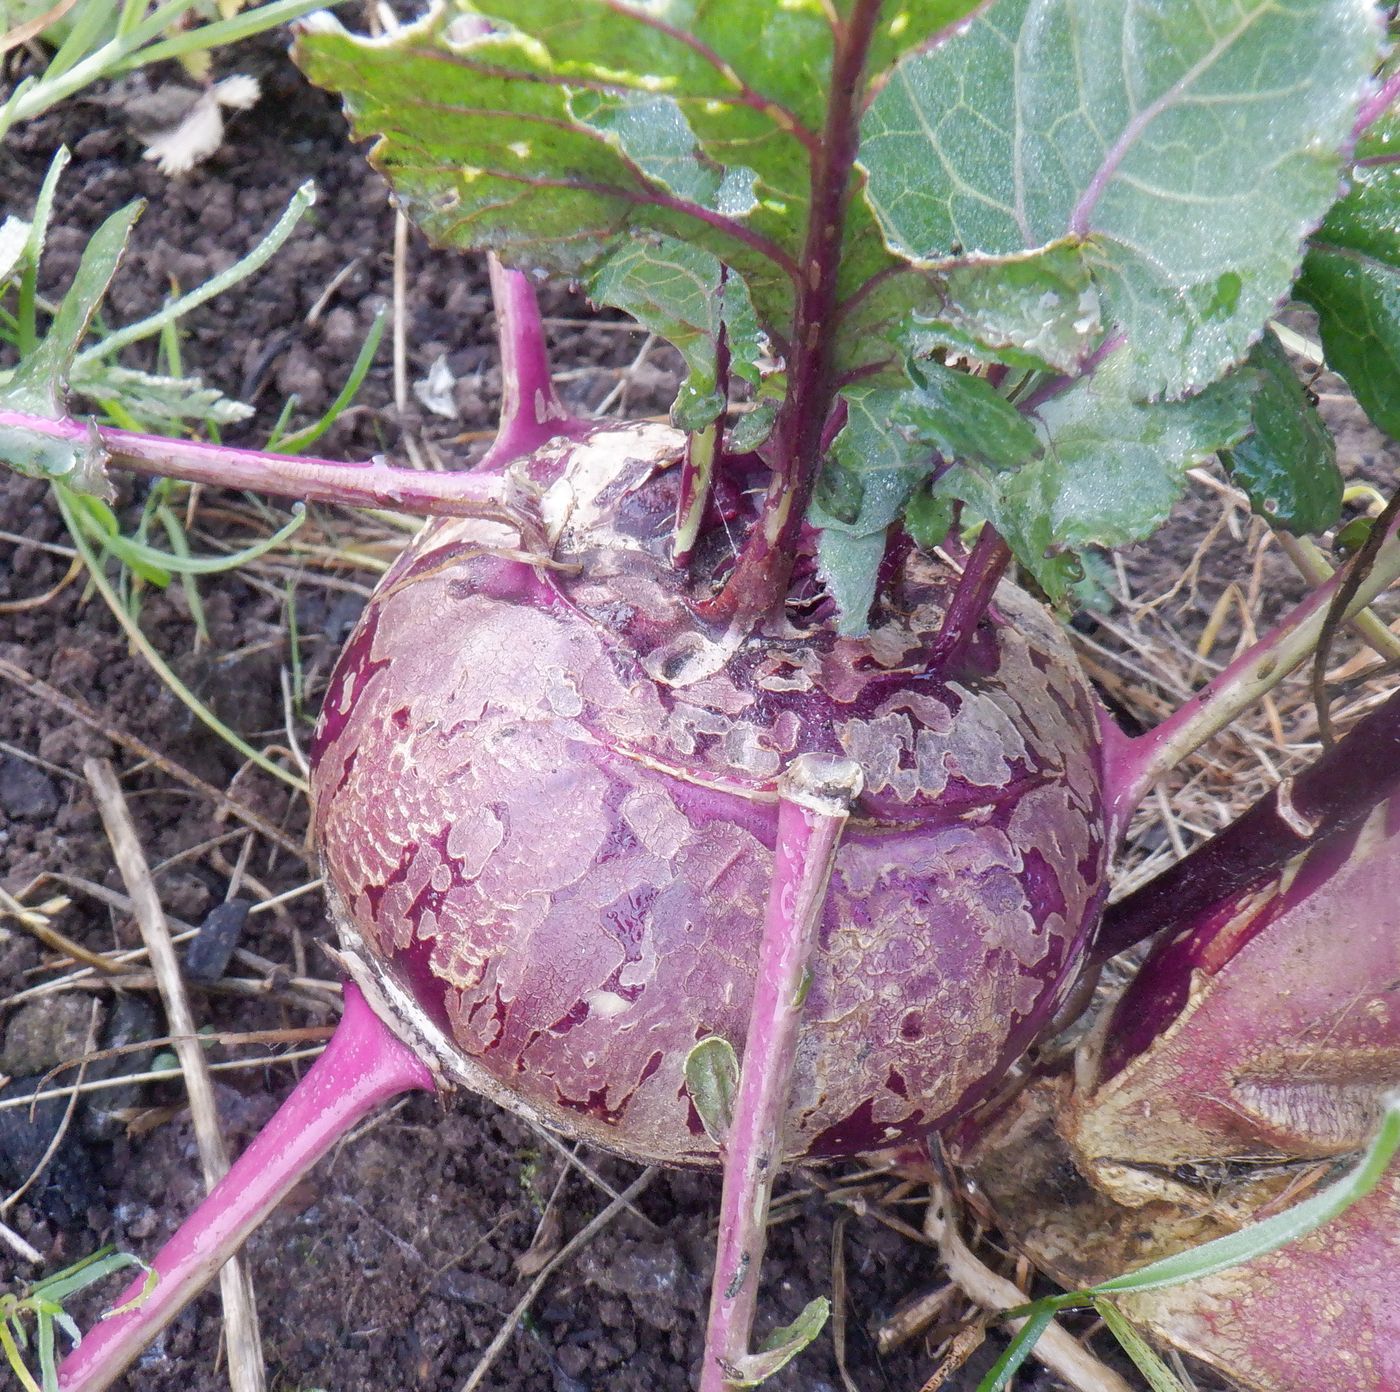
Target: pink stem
(980,577)
(1338,790)
(530,414)
(1132,766)
(531,411)
(366,484)
(815,797)
(1379,103)
(364,1065)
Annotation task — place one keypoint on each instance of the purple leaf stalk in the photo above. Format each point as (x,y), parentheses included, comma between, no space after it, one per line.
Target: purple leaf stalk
(815,799)
(364,1065)
(531,413)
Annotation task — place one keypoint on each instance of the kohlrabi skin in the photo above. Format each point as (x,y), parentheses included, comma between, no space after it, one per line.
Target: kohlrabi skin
(545,802)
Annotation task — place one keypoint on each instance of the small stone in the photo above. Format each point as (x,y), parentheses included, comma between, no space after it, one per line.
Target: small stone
(27,793)
(45,1033)
(210,951)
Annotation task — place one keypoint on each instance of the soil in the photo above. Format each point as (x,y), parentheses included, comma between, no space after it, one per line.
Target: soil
(395,1263)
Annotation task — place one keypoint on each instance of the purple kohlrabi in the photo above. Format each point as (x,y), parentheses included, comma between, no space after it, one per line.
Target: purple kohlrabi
(545,799)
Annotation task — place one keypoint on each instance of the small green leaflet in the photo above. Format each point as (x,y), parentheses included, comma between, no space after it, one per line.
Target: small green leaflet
(891,440)
(927,518)
(783,1345)
(712,1079)
(1288,462)
(1146,133)
(1351,276)
(683,294)
(849,565)
(1111,469)
(167,400)
(39,385)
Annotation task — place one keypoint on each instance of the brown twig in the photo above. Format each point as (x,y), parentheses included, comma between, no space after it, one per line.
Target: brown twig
(19,1246)
(158,1075)
(38,925)
(839,1301)
(31,29)
(240,1311)
(910,1320)
(1063,1355)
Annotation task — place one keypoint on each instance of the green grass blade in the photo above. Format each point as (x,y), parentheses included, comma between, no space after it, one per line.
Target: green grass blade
(180,545)
(84,39)
(302,439)
(1019,1349)
(1146,1360)
(241,269)
(48,1365)
(222,32)
(14,1358)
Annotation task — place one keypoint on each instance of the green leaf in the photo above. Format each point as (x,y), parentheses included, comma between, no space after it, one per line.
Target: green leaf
(1288,463)
(712,1079)
(849,564)
(1145,1358)
(1189,146)
(559,129)
(1351,276)
(40,383)
(1111,470)
(166,401)
(1035,311)
(683,294)
(487,144)
(651,132)
(783,1345)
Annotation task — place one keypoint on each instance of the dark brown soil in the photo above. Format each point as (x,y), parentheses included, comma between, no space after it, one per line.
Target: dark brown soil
(394,1264)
